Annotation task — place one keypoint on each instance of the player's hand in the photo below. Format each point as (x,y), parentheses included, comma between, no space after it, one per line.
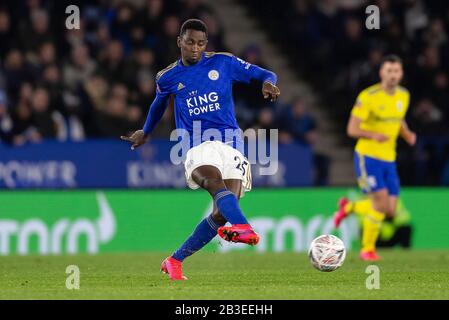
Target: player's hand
(137,139)
(379,137)
(410,138)
(271,91)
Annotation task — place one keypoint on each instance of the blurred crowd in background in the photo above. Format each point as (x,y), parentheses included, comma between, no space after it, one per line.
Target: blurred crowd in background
(98,81)
(328,37)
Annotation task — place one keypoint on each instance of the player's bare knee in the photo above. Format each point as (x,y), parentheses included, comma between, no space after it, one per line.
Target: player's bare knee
(381,202)
(381,207)
(212,185)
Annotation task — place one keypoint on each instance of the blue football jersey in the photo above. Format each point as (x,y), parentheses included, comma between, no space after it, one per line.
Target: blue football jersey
(203,102)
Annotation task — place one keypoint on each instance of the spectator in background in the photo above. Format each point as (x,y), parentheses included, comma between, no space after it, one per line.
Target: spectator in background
(47,54)
(100,38)
(436,35)
(119,91)
(68,118)
(297,124)
(167,48)
(193,8)
(352,47)
(428,65)
(22,130)
(248,98)
(146,92)
(137,38)
(112,63)
(75,37)
(51,80)
(134,115)
(441,94)
(427,119)
(32,37)
(395,39)
(42,116)
(16,72)
(266,120)
(79,68)
(112,120)
(6,34)
(415,18)
(215,32)
(76,73)
(123,24)
(366,73)
(26,93)
(141,64)
(95,95)
(96,91)
(151,17)
(5,119)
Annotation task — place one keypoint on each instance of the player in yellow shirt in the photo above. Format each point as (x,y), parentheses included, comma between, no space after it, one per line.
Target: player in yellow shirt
(377,119)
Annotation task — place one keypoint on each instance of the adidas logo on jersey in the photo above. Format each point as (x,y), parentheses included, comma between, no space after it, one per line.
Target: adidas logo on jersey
(181,86)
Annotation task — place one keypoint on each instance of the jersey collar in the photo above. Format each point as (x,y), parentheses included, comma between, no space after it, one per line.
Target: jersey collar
(196,64)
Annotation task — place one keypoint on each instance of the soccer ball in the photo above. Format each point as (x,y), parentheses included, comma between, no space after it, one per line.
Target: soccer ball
(327,253)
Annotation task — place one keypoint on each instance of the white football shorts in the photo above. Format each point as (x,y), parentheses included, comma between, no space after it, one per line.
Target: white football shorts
(229,161)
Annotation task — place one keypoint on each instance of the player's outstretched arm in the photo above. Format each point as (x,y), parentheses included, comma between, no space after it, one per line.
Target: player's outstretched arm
(406,134)
(354,130)
(243,71)
(155,113)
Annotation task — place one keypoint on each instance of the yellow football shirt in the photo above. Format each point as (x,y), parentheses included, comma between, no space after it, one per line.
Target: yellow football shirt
(382,113)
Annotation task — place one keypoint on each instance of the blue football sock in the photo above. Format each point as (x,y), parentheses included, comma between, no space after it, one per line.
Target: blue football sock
(229,207)
(204,232)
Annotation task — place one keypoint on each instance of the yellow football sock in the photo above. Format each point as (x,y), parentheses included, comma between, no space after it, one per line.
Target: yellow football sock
(372,222)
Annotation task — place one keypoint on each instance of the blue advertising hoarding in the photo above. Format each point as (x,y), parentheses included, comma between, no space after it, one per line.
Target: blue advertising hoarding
(111,164)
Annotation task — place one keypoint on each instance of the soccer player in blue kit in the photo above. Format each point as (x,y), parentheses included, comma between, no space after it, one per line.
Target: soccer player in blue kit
(201,83)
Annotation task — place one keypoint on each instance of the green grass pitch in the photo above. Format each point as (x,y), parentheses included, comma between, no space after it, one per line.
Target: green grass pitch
(249,275)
